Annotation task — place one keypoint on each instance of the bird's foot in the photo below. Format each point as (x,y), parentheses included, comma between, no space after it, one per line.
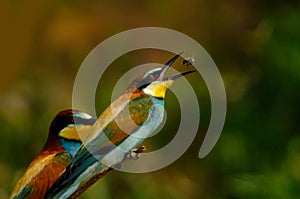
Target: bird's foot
(135,153)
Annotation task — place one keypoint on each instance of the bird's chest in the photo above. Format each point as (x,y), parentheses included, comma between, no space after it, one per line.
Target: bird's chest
(138,109)
(134,115)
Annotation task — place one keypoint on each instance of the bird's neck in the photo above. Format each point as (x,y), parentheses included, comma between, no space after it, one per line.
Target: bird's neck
(53,144)
(157,100)
(70,146)
(56,144)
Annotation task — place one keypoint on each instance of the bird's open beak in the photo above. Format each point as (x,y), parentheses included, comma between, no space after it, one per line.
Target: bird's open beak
(159,85)
(167,65)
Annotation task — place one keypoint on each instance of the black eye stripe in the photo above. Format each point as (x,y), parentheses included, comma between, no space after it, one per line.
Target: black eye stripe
(143,84)
(83,121)
(148,80)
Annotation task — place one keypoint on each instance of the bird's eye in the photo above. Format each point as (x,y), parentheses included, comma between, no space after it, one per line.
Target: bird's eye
(148,78)
(145,82)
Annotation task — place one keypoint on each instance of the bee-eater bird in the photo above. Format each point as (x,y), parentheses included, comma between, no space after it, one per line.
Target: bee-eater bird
(62,144)
(129,120)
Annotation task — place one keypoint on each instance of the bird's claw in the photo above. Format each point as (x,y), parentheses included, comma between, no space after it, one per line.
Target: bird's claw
(135,153)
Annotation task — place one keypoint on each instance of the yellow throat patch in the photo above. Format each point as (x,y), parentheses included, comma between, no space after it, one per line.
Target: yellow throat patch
(77,133)
(158,89)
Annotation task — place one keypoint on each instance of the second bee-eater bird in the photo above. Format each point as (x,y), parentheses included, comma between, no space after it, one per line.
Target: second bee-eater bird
(61,146)
(129,120)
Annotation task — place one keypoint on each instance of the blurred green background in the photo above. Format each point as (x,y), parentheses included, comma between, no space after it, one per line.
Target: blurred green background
(255,44)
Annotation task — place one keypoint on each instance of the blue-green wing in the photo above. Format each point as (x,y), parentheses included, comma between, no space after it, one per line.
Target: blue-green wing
(86,165)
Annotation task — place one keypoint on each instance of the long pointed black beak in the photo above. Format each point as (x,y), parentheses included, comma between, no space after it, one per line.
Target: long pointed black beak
(158,74)
(176,76)
(167,65)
